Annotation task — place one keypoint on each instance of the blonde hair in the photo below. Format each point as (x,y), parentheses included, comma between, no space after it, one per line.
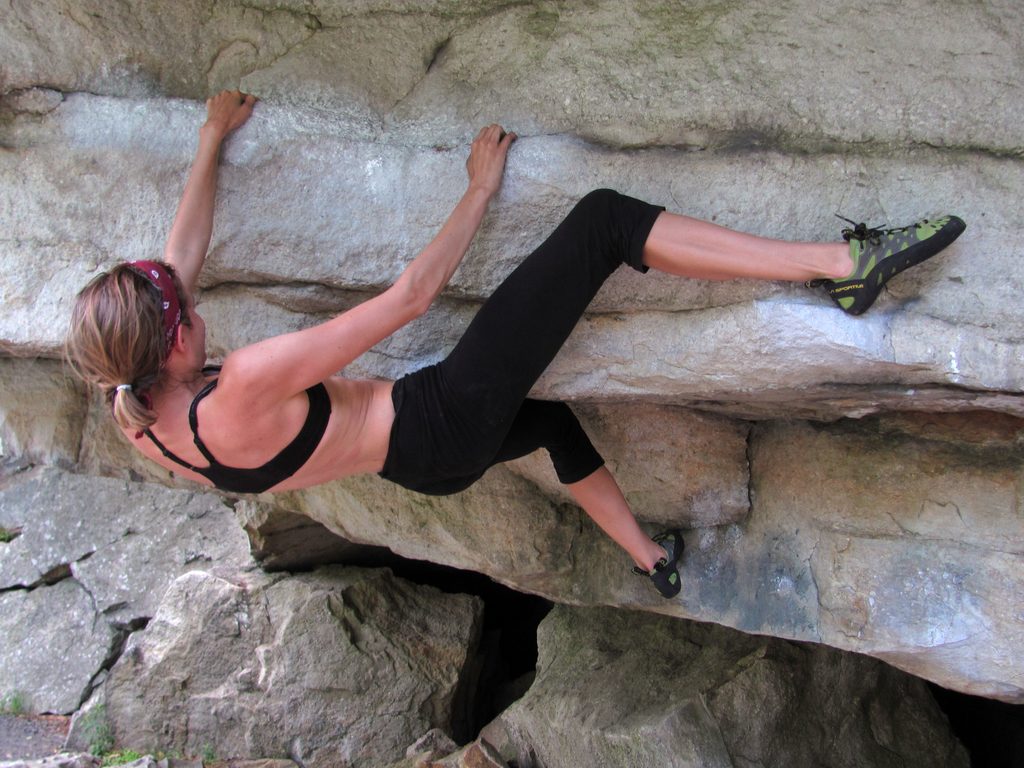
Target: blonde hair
(117,338)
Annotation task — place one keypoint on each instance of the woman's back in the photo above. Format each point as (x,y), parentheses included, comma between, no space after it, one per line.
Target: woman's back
(355,439)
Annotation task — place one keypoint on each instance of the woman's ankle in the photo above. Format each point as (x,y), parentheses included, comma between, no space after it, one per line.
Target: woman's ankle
(840,263)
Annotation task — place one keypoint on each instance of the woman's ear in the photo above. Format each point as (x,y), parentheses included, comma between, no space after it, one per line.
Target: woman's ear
(181,338)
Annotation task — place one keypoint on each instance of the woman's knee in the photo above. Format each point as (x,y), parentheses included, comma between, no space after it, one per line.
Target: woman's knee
(597,203)
(595,226)
(573,455)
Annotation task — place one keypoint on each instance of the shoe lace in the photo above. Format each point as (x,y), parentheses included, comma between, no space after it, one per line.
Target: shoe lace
(863,232)
(873,235)
(658,566)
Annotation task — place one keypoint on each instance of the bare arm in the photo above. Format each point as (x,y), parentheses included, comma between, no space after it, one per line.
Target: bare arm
(292,362)
(190,233)
(428,274)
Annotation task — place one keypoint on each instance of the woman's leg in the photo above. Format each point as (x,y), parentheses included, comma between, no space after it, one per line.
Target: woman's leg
(554,427)
(524,323)
(520,329)
(690,247)
(602,499)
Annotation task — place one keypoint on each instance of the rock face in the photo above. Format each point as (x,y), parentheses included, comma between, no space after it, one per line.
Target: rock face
(618,689)
(734,409)
(338,667)
(912,553)
(91,560)
(64,615)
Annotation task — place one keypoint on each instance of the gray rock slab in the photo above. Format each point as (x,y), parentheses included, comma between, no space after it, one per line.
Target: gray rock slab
(124,542)
(619,689)
(896,537)
(639,74)
(52,645)
(860,534)
(255,666)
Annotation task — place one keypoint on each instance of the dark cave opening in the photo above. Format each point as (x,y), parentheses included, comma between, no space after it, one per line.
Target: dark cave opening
(991,731)
(506,660)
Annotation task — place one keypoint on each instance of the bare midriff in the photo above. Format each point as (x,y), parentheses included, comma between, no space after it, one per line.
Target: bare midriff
(356,440)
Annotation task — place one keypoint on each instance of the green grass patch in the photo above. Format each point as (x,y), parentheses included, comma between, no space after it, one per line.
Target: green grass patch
(120,757)
(13,703)
(96,731)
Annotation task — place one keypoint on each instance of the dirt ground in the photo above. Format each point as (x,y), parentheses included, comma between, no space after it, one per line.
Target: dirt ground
(26,737)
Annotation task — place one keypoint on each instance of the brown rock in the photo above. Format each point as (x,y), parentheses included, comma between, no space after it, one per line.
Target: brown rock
(480,754)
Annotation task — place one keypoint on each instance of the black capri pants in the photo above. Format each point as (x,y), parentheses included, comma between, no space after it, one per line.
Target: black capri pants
(455,419)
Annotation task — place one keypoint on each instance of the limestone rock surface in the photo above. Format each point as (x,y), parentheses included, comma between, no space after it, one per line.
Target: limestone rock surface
(620,689)
(916,534)
(256,666)
(123,542)
(306,213)
(55,675)
(625,75)
(898,537)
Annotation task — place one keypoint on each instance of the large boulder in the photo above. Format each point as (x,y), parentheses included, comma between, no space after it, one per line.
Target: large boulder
(87,561)
(898,537)
(748,344)
(123,542)
(339,667)
(619,689)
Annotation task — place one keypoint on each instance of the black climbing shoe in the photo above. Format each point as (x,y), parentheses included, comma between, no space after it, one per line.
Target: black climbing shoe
(880,254)
(665,574)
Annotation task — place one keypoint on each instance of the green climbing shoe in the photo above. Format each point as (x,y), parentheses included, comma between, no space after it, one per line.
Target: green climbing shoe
(880,254)
(665,574)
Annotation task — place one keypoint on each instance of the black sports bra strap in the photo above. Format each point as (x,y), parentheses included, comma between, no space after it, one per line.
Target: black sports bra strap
(163,449)
(193,422)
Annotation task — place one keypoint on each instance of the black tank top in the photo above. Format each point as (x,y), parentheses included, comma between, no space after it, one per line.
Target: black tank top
(282,466)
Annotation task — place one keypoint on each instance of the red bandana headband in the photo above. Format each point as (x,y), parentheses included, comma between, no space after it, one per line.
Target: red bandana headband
(161,278)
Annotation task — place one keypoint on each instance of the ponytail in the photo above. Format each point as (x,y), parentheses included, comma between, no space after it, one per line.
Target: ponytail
(131,411)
